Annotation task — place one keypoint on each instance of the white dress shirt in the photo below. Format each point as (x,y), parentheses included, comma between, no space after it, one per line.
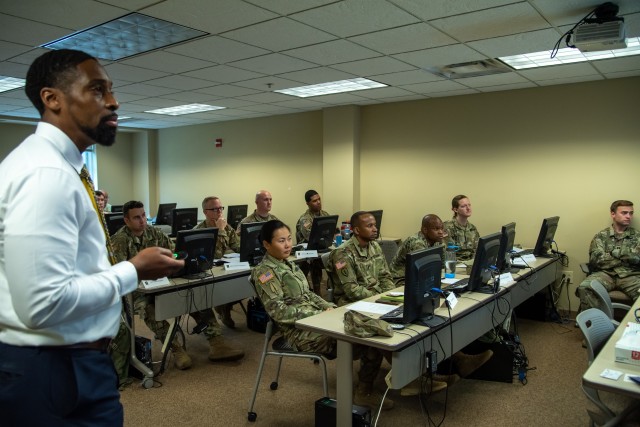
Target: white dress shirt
(57,286)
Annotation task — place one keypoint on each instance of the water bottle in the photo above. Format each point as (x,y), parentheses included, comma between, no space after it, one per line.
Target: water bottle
(346,232)
(450,262)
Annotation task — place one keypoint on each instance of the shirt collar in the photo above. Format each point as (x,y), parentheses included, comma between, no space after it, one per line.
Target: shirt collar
(62,143)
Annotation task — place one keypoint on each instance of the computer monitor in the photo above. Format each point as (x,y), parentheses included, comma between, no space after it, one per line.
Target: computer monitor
(183,219)
(200,246)
(484,264)
(251,249)
(115,221)
(377,214)
(164,215)
(422,274)
(116,208)
(545,237)
(507,238)
(235,214)
(323,228)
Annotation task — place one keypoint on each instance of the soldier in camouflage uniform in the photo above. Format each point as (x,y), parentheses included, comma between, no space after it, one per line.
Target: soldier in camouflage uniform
(127,242)
(461,232)
(431,234)
(358,268)
(285,293)
(614,257)
(303,228)
(264,202)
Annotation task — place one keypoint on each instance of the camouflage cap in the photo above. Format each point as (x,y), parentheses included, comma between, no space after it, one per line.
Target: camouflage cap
(364,326)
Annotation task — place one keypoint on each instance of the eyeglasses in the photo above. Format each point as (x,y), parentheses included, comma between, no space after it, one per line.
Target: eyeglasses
(220,209)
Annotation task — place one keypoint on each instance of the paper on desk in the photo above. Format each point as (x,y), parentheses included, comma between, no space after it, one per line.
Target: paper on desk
(449,281)
(611,374)
(524,261)
(149,284)
(371,307)
(232,255)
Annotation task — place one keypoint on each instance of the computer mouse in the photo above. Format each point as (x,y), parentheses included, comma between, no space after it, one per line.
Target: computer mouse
(396,326)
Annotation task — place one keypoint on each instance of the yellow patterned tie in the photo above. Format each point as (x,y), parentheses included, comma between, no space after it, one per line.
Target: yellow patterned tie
(88,185)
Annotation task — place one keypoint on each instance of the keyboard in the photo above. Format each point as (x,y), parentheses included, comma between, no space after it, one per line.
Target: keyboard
(523,252)
(394,316)
(460,285)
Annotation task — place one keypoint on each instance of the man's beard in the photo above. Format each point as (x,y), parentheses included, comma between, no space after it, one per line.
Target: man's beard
(102,134)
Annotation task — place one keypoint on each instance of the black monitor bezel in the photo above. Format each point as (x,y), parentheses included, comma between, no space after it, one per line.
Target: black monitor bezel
(482,262)
(194,266)
(165,211)
(117,208)
(112,217)
(547,233)
(322,226)
(377,214)
(419,300)
(192,212)
(238,211)
(507,239)
(251,252)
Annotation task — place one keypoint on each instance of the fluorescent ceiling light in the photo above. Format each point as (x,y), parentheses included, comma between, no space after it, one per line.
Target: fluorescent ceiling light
(126,36)
(185,109)
(569,55)
(10,83)
(331,87)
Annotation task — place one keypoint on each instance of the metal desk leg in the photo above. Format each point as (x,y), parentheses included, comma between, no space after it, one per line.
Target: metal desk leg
(168,339)
(147,380)
(344,384)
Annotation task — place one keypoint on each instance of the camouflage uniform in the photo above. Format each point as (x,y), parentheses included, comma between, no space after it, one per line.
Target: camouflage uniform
(126,246)
(466,238)
(284,291)
(398,263)
(303,228)
(227,239)
(254,217)
(614,260)
(358,273)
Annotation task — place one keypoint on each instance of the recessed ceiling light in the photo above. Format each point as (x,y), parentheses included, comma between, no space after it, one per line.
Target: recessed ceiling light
(126,36)
(185,109)
(569,55)
(10,83)
(331,87)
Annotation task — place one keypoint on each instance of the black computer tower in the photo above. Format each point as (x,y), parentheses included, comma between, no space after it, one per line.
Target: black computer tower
(326,414)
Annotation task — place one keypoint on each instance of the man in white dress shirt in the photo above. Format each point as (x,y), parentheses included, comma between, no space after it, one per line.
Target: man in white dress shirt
(60,297)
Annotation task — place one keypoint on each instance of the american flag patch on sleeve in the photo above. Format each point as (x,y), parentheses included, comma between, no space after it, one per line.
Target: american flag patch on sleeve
(265,277)
(340,265)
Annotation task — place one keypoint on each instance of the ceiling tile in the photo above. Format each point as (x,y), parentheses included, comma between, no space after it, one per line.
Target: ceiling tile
(627,63)
(223,74)
(30,33)
(181,82)
(225,91)
(434,87)
(167,62)
(266,97)
(275,63)
(404,39)
(127,73)
(492,80)
(569,80)
(529,42)
(373,66)
(269,83)
(145,89)
(333,52)
(554,72)
(406,77)
(317,75)
(217,49)
(434,9)
(286,7)
(512,86)
(440,56)
(382,93)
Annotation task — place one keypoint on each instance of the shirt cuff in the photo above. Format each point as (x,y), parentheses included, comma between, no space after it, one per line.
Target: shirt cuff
(128,276)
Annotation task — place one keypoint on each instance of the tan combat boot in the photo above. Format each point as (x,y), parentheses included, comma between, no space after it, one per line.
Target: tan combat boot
(220,350)
(365,396)
(225,315)
(466,364)
(415,387)
(181,359)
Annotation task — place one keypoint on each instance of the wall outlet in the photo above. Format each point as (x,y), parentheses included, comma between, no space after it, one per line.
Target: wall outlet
(568,275)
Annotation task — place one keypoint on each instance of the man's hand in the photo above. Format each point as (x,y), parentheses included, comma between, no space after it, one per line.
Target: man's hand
(221,223)
(153,263)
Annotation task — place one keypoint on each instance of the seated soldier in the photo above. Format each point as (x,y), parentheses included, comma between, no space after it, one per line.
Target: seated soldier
(303,229)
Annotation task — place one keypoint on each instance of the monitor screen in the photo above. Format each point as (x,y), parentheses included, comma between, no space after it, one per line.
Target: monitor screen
(323,229)
(422,274)
(199,245)
(183,219)
(484,264)
(115,221)
(251,249)
(116,208)
(507,239)
(235,214)
(164,215)
(545,237)
(377,214)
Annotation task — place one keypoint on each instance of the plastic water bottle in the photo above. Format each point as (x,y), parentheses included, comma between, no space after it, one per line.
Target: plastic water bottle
(346,232)
(450,261)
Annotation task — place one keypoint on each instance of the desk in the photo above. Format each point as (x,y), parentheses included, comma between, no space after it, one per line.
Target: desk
(606,360)
(184,296)
(471,318)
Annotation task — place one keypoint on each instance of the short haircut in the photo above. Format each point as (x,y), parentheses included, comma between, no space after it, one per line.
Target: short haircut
(309,194)
(54,69)
(100,193)
(132,204)
(207,199)
(455,202)
(430,219)
(355,218)
(269,228)
(615,205)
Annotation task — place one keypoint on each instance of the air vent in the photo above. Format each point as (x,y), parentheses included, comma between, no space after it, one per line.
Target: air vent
(470,69)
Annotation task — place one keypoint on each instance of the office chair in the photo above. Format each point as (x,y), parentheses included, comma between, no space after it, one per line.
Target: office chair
(605,304)
(597,328)
(389,249)
(325,264)
(616,296)
(281,349)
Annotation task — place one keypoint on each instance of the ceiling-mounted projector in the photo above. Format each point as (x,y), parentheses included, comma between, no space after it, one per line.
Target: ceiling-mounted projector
(593,37)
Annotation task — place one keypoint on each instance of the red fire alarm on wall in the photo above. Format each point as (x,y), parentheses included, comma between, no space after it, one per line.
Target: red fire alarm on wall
(218,142)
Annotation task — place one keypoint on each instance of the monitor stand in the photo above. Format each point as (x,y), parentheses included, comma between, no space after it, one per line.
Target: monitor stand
(197,276)
(431,320)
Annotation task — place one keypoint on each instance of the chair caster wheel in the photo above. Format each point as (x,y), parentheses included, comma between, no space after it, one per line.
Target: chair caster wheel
(252,416)
(274,386)
(147,383)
